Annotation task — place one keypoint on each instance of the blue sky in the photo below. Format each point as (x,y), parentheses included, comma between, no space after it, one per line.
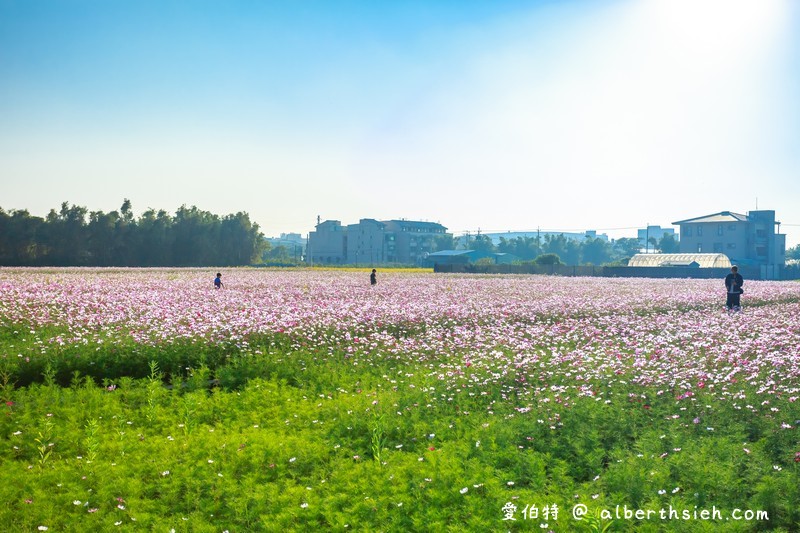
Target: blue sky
(507,115)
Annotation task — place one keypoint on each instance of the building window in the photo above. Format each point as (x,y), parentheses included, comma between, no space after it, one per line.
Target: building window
(720,229)
(687,232)
(761,250)
(731,227)
(699,247)
(699,231)
(760,233)
(718,247)
(731,246)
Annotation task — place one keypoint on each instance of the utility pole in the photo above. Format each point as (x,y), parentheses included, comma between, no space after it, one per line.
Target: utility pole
(647,239)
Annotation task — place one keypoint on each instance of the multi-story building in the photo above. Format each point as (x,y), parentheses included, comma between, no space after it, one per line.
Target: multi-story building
(366,242)
(753,239)
(328,244)
(373,242)
(411,241)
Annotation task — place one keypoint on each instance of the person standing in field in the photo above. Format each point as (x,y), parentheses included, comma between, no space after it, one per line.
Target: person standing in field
(733,285)
(218,281)
(373,278)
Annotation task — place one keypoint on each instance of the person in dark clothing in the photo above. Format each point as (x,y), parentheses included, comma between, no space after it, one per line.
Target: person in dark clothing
(733,285)
(218,281)
(373,278)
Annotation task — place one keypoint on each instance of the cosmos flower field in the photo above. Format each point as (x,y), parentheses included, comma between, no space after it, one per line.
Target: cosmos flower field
(146,400)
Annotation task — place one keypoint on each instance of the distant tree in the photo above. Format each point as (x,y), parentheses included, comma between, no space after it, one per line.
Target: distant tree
(127,210)
(196,237)
(793,253)
(526,248)
(572,254)
(127,243)
(626,247)
(280,254)
(555,244)
(485,261)
(191,238)
(19,238)
(548,259)
(65,236)
(101,239)
(507,246)
(5,242)
(482,243)
(155,236)
(596,251)
(444,242)
(239,240)
(668,245)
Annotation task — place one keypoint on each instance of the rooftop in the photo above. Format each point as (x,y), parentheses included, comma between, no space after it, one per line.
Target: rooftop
(722,216)
(703,260)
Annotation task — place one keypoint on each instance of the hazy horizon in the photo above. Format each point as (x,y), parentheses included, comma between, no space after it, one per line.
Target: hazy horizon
(575,115)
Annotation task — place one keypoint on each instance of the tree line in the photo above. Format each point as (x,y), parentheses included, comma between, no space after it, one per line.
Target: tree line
(559,249)
(75,236)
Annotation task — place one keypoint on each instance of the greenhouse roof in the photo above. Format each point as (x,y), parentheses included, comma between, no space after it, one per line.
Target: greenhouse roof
(660,260)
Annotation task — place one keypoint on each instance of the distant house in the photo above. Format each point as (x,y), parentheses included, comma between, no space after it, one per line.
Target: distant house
(328,244)
(412,240)
(366,242)
(454,257)
(752,239)
(373,241)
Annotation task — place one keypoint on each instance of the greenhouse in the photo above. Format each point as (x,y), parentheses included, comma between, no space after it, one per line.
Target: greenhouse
(684,260)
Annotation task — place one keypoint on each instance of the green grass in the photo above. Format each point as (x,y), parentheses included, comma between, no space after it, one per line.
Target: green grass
(298,440)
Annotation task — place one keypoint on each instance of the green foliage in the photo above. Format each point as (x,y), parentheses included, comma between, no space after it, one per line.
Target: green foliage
(73,236)
(444,242)
(626,247)
(668,245)
(596,252)
(548,259)
(378,439)
(485,261)
(526,248)
(277,435)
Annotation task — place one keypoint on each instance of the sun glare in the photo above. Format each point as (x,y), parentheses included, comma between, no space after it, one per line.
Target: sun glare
(716,28)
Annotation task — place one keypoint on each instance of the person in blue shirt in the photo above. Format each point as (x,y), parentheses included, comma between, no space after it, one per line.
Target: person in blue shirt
(733,285)
(218,281)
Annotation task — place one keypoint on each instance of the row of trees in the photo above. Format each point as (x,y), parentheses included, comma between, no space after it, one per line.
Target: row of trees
(590,251)
(73,236)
